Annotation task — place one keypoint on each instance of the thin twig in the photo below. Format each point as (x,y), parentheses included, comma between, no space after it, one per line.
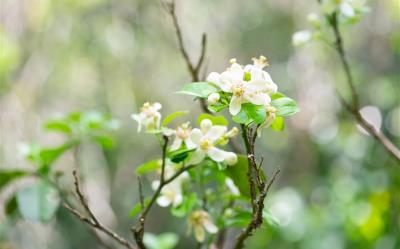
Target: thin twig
(194,70)
(92,221)
(354,107)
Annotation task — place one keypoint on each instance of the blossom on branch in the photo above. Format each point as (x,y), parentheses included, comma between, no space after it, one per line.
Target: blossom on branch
(149,117)
(200,222)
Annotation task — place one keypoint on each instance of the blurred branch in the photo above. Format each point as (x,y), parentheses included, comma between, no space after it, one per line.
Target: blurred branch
(354,107)
(254,178)
(92,221)
(194,69)
(138,230)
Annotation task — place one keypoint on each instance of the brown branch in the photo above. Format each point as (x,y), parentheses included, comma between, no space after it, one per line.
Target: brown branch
(194,70)
(92,221)
(257,218)
(138,230)
(354,107)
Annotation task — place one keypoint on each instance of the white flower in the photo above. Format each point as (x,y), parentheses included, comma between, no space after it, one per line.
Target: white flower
(171,194)
(182,134)
(314,20)
(205,140)
(347,8)
(232,187)
(247,85)
(300,38)
(271,115)
(200,221)
(213,98)
(149,117)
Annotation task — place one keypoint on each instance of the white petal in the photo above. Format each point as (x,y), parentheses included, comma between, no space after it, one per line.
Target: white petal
(216,154)
(197,156)
(209,226)
(346,9)
(196,135)
(215,133)
(300,38)
(190,144)
(205,125)
(157,106)
(176,144)
(256,73)
(230,158)
(199,233)
(256,85)
(178,200)
(163,201)
(138,119)
(214,78)
(155,184)
(235,105)
(258,98)
(226,82)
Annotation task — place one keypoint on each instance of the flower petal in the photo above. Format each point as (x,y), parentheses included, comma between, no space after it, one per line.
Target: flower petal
(176,144)
(235,105)
(178,200)
(257,98)
(163,201)
(209,226)
(214,78)
(215,133)
(197,156)
(196,135)
(189,143)
(216,154)
(199,233)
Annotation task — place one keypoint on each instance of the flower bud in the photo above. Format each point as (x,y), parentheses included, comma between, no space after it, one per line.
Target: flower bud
(232,133)
(205,125)
(314,20)
(213,98)
(300,38)
(231,158)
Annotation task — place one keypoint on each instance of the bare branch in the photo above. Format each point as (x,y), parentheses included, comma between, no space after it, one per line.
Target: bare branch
(354,107)
(92,221)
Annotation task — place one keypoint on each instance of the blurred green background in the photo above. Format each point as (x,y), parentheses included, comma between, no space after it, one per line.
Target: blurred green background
(338,188)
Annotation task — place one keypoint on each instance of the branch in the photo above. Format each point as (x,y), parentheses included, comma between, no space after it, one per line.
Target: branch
(354,107)
(92,221)
(138,230)
(194,70)
(257,219)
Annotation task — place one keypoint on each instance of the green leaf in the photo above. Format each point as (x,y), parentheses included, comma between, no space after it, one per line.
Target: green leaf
(149,166)
(217,107)
(38,202)
(238,173)
(138,207)
(278,124)
(186,206)
(105,141)
(216,120)
(239,219)
(6,176)
(199,89)
(277,95)
(285,106)
(269,219)
(49,155)
(179,155)
(173,116)
(59,126)
(250,113)
(11,206)
(161,241)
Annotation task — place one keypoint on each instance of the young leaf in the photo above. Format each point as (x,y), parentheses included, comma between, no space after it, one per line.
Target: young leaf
(285,106)
(250,113)
(161,241)
(238,173)
(103,140)
(147,167)
(278,124)
(6,176)
(277,95)
(216,120)
(59,126)
(138,207)
(173,116)
(11,206)
(179,155)
(38,202)
(199,89)
(217,107)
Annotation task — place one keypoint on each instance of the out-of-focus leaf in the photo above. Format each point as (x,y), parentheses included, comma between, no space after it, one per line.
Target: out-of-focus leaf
(161,241)
(138,207)
(278,124)
(285,106)
(186,206)
(179,155)
(277,95)
(217,107)
(58,126)
(173,116)
(269,219)
(148,166)
(239,219)
(216,120)
(238,173)
(6,176)
(38,202)
(250,113)
(11,206)
(199,89)
(105,141)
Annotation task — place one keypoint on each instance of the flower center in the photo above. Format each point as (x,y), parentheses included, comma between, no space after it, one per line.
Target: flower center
(205,144)
(182,133)
(237,90)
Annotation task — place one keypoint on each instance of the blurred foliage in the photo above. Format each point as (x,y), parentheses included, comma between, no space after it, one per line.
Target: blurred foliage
(338,188)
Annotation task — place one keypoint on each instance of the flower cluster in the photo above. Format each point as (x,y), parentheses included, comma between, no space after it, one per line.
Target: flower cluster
(249,84)
(200,222)
(348,10)
(149,117)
